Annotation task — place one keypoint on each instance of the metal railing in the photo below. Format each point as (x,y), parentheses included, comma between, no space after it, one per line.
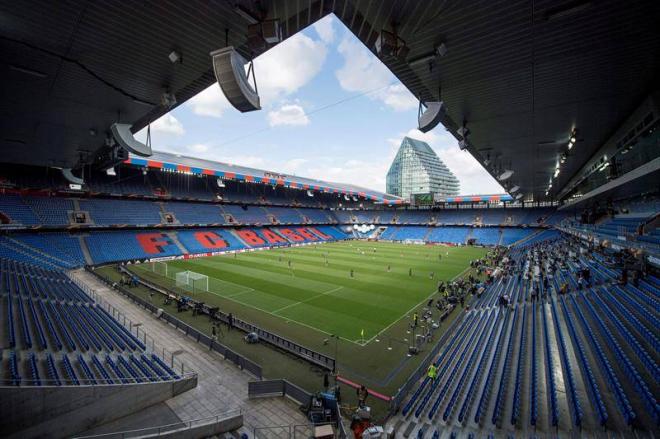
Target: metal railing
(168,428)
(257,389)
(135,329)
(240,361)
(310,355)
(403,391)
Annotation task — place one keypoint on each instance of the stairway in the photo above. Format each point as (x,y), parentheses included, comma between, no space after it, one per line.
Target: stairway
(175,240)
(469,235)
(85,249)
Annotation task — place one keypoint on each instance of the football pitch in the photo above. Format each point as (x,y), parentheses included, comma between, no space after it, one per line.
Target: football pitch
(353,289)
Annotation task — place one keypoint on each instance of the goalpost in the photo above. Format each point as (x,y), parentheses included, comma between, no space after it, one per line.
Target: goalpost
(159,267)
(192,281)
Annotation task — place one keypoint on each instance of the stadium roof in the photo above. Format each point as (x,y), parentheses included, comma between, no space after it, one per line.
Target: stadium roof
(183,164)
(520,74)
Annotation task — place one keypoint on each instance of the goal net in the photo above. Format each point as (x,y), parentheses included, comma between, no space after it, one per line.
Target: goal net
(159,268)
(191,281)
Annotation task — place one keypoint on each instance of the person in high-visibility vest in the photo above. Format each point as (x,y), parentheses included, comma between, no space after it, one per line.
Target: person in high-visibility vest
(415,320)
(432,371)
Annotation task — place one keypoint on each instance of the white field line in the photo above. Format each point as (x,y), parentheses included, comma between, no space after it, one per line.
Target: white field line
(409,311)
(281,317)
(307,300)
(246,290)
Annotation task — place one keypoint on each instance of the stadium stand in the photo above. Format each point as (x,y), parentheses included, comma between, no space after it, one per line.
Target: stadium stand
(115,211)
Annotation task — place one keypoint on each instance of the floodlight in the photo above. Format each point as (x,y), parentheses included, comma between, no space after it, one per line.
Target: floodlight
(229,69)
(220,182)
(355,226)
(124,137)
(556,172)
(310,193)
(505,175)
(514,189)
(519,196)
(430,117)
(371,227)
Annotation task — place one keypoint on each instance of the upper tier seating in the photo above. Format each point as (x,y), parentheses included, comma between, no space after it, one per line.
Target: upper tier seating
(317,216)
(51,211)
(112,211)
(196,213)
(17,210)
(285,215)
(246,214)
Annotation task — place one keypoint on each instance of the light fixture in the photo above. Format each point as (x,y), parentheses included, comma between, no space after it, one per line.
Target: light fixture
(505,175)
(514,189)
(175,57)
(556,172)
(519,196)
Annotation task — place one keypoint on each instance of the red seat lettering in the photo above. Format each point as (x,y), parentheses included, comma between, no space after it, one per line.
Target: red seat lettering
(210,240)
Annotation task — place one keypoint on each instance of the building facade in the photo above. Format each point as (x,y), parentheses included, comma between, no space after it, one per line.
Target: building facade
(418,171)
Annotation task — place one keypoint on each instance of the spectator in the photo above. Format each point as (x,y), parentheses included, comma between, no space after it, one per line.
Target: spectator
(362,395)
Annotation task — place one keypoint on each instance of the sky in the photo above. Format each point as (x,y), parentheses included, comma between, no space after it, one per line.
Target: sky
(330,110)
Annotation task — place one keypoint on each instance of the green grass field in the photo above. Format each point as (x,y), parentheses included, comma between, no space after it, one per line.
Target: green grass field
(297,287)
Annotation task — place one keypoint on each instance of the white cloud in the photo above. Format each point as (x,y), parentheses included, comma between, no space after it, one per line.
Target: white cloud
(288,114)
(280,72)
(288,66)
(399,98)
(369,174)
(163,132)
(292,166)
(168,124)
(210,102)
(325,29)
(198,147)
(250,161)
(362,72)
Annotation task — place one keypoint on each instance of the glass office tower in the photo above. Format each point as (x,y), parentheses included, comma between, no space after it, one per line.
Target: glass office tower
(417,170)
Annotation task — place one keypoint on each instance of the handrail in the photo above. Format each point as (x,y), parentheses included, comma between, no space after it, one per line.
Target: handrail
(241,361)
(121,318)
(307,354)
(167,427)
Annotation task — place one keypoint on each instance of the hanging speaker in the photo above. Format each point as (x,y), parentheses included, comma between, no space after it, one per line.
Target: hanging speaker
(431,116)
(124,138)
(66,172)
(229,69)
